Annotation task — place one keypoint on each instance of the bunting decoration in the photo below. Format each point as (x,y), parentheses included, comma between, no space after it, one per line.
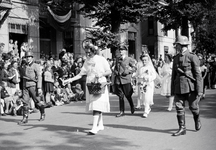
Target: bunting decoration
(59,19)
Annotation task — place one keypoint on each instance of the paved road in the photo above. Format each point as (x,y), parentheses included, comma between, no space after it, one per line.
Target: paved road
(65,128)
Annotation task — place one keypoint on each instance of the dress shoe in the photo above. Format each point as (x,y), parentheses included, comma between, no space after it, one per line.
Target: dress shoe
(4,114)
(121,114)
(145,115)
(169,109)
(137,108)
(92,132)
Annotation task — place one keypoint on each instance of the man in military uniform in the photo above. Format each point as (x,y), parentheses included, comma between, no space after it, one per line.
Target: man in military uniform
(186,84)
(32,81)
(123,70)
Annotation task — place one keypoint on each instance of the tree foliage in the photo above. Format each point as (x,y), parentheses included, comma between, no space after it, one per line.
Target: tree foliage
(200,14)
(104,39)
(205,33)
(110,14)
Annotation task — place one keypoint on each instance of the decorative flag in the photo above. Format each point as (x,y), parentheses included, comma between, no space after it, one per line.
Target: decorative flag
(59,19)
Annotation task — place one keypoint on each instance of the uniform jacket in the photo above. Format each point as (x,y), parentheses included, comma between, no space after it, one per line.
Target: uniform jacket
(123,70)
(190,64)
(33,72)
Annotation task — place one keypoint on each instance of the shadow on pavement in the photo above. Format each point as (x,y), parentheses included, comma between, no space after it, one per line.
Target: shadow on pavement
(74,138)
(147,129)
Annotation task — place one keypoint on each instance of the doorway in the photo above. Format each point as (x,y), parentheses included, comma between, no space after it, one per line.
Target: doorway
(20,38)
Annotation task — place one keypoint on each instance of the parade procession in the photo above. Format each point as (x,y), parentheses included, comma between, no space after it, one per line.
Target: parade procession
(107,74)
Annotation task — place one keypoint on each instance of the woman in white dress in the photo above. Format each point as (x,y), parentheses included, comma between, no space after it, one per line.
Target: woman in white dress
(146,75)
(94,67)
(166,73)
(23,49)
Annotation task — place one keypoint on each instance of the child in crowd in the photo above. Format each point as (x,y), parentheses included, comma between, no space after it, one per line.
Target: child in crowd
(58,97)
(40,98)
(17,104)
(68,89)
(48,78)
(56,81)
(78,92)
(69,92)
(6,98)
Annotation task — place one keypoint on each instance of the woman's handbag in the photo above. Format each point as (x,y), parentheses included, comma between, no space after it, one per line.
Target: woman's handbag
(96,88)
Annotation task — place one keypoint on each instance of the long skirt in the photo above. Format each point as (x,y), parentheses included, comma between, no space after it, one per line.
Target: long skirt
(98,102)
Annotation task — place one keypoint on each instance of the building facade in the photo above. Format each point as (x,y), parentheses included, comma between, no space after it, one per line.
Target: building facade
(22,25)
(157,41)
(28,22)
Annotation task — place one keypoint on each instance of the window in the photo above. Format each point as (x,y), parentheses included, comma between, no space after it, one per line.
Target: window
(165,33)
(17,28)
(12,26)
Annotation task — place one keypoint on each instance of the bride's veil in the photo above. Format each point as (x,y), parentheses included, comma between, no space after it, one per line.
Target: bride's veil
(150,63)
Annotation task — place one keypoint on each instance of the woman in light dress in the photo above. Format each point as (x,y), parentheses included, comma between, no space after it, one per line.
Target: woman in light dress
(94,67)
(166,73)
(23,49)
(146,75)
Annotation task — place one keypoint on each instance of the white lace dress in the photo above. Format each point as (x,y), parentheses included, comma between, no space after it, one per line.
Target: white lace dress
(146,75)
(92,67)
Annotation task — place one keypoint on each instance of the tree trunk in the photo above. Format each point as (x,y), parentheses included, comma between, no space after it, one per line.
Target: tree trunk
(115,27)
(185,29)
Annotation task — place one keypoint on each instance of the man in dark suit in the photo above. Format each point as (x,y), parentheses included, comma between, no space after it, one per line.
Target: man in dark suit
(123,70)
(186,84)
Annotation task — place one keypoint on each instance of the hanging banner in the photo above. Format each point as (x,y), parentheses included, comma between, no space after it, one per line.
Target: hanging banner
(59,19)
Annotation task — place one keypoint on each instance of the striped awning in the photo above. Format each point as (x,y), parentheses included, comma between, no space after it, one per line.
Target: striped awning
(17,25)
(20,21)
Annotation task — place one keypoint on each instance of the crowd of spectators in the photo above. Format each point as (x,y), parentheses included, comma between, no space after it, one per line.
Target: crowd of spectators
(53,92)
(66,66)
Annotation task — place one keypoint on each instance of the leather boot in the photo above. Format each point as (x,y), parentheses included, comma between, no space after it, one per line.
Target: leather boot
(42,118)
(197,122)
(24,120)
(182,128)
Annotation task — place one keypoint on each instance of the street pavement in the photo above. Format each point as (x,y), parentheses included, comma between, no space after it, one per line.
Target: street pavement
(66,127)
